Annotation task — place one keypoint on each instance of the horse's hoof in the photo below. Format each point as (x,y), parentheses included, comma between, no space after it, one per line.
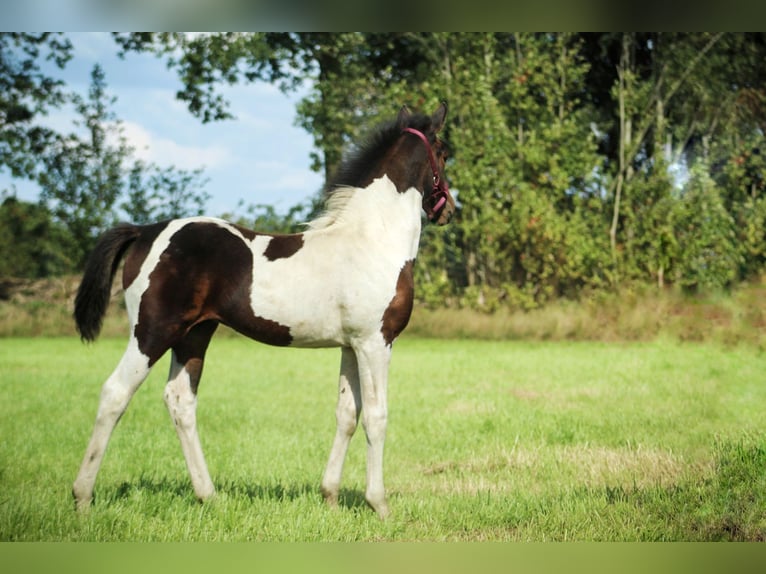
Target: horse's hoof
(330,497)
(82,505)
(380,507)
(383,511)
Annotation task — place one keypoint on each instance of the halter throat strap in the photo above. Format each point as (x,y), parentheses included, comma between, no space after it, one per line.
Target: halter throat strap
(440,190)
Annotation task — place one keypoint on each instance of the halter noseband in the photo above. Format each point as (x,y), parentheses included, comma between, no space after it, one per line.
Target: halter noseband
(440,190)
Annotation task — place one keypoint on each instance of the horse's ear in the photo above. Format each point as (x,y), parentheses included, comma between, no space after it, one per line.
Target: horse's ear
(437,120)
(403,116)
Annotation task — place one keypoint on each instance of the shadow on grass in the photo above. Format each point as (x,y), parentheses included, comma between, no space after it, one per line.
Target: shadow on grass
(151,485)
(347,498)
(182,489)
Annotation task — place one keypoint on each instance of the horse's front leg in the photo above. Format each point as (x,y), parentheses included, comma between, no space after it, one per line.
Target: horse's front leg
(347,418)
(373,358)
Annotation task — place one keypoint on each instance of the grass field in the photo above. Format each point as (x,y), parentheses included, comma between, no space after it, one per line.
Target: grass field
(487,441)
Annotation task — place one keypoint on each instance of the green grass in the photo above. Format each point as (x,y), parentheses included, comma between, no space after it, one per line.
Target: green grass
(487,441)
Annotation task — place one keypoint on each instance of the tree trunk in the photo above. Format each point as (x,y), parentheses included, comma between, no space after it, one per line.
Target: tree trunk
(623,143)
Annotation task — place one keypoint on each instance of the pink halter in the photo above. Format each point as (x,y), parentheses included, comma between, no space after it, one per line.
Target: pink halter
(440,190)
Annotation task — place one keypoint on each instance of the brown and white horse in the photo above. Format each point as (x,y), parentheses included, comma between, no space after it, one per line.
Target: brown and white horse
(344,282)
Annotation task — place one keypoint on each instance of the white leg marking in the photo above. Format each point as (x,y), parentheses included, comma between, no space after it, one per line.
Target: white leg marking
(182,406)
(115,396)
(373,358)
(346,417)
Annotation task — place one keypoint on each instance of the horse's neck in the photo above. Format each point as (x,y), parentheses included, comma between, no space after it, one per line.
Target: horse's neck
(383,217)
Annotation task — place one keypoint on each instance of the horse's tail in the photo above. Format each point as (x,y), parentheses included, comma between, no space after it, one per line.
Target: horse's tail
(96,286)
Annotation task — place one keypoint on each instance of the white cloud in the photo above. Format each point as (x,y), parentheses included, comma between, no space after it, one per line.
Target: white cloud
(166,152)
(303,181)
(249,120)
(92,46)
(290,180)
(150,146)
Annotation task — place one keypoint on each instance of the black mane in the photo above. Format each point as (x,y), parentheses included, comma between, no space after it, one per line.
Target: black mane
(355,167)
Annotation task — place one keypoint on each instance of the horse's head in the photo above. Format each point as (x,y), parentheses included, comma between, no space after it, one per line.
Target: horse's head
(432,183)
(408,151)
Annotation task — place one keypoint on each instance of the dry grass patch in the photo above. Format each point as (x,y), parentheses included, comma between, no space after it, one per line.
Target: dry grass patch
(536,469)
(642,315)
(601,466)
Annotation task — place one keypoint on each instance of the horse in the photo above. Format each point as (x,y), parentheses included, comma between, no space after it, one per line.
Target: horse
(345,281)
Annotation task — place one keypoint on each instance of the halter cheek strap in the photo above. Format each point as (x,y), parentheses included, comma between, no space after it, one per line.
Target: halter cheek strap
(440,190)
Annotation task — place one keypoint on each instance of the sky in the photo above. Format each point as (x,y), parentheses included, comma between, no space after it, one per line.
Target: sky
(260,157)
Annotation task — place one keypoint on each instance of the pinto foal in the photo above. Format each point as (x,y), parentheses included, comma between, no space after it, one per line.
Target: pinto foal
(345,282)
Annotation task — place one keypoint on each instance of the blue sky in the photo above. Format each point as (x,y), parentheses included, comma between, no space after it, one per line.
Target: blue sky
(259,157)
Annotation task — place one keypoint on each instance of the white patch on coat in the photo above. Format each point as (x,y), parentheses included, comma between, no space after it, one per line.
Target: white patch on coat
(335,289)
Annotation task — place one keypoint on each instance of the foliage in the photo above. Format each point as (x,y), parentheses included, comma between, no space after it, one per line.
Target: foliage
(706,230)
(571,153)
(156,194)
(30,241)
(527,166)
(26,93)
(81,179)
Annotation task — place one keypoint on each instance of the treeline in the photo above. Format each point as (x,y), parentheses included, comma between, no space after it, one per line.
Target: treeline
(581,162)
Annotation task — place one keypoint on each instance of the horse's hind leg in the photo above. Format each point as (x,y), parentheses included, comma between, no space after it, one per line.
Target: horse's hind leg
(346,417)
(116,393)
(181,400)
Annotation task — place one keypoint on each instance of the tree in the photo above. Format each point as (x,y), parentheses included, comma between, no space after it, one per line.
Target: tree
(26,93)
(32,244)
(527,161)
(676,99)
(156,194)
(743,187)
(709,258)
(81,179)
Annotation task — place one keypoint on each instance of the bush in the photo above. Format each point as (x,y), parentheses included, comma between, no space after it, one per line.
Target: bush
(709,258)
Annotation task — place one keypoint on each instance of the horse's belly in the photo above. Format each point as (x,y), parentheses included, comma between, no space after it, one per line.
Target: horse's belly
(326,313)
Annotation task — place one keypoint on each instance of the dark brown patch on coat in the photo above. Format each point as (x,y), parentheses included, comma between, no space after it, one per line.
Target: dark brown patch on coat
(139,251)
(205,274)
(397,314)
(190,352)
(246,233)
(283,246)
